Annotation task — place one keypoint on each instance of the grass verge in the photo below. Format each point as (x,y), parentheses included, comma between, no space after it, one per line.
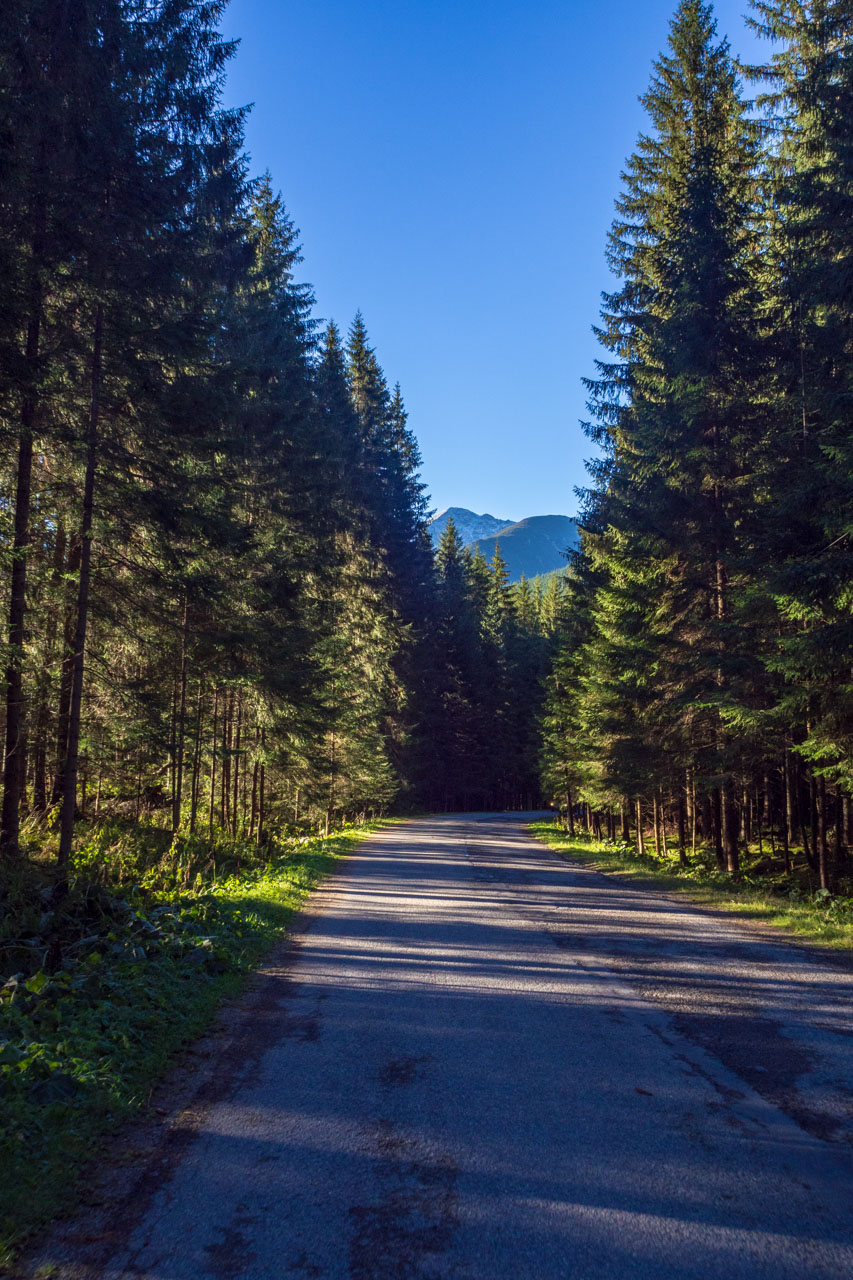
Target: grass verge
(137,973)
(815,915)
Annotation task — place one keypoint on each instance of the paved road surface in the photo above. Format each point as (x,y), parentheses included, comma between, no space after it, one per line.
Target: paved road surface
(486,1063)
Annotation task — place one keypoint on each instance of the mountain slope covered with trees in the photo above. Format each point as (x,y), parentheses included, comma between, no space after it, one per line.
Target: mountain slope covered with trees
(530,547)
(469,525)
(537,545)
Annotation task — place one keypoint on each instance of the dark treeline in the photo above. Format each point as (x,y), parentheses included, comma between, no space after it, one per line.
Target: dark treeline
(704,683)
(224,614)
(492,642)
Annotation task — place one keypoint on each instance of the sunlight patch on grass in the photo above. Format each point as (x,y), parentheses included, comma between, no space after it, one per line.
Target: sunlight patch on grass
(82,1047)
(818,916)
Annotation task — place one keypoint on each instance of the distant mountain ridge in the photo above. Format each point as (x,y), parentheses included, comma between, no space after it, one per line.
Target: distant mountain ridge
(469,525)
(536,545)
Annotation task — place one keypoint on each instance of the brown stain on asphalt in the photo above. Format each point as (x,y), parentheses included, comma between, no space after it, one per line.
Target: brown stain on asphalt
(400,1071)
(302,1266)
(754,1048)
(413,1221)
(231,1256)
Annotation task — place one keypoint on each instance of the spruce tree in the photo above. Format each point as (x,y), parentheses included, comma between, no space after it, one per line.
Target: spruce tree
(44,119)
(161,165)
(678,421)
(807,545)
(453,759)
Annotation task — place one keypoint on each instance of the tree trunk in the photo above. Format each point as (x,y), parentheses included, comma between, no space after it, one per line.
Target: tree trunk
(14,758)
(682,851)
(235,812)
(173,742)
(786,813)
(253,816)
(182,717)
(691,783)
(814,819)
(641,849)
(42,720)
(196,781)
(225,789)
(137,808)
(656,823)
(839,838)
(731,827)
(261,803)
(717,825)
(66,671)
(69,780)
(707,806)
(808,849)
(214,742)
(790,806)
(823,843)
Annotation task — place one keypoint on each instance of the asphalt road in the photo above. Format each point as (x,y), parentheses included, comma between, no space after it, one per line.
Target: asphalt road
(480,1061)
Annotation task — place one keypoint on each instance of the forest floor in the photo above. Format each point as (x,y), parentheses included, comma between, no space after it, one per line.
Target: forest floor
(103,989)
(478,1059)
(762,892)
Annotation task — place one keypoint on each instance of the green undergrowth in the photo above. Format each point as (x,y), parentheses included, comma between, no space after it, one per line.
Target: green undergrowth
(788,901)
(104,984)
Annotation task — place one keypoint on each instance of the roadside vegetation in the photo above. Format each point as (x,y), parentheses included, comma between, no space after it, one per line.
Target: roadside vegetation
(105,982)
(762,889)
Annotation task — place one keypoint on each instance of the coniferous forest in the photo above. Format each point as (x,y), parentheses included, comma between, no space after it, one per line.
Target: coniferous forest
(227,635)
(703,685)
(224,615)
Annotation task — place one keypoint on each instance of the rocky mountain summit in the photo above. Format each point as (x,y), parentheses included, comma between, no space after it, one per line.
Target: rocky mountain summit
(469,525)
(536,545)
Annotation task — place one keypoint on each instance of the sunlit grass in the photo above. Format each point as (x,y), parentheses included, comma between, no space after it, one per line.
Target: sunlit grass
(152,938)
(786,901)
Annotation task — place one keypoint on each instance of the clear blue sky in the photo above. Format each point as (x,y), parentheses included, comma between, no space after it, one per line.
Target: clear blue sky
(452,167)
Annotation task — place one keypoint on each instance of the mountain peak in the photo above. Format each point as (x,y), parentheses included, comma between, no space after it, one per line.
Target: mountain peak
(469,525)
(532,546)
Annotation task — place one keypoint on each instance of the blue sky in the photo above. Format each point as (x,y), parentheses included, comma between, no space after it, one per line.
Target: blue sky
(452,168)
